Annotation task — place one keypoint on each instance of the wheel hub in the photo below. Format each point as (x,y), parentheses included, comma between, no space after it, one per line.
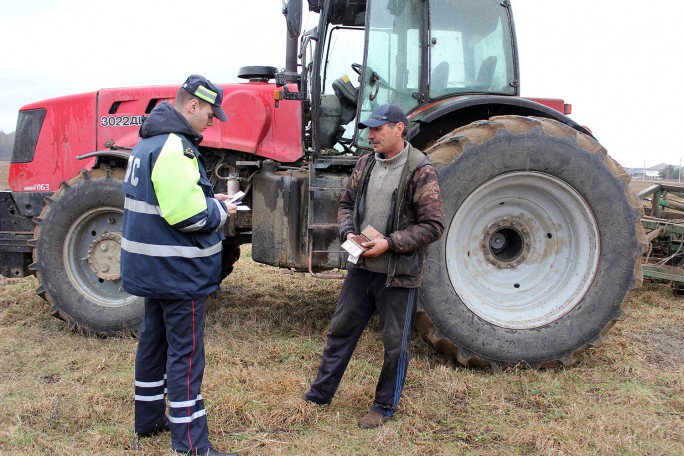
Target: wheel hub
(506,242)
(104,256)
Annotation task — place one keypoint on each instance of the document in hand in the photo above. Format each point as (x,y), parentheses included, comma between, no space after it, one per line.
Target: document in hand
(353,244)
(235,199)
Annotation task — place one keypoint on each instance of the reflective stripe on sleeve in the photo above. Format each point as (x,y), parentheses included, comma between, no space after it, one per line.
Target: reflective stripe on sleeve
(224,214)
(202,223)
(195,227)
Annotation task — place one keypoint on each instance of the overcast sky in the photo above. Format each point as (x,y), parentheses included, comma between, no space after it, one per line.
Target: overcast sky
(617,63)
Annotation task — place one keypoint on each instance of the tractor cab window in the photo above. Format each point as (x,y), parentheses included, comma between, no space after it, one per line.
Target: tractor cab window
(392,68)
(341,75)
(470,48)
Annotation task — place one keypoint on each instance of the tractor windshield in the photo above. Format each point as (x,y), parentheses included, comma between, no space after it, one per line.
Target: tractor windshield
(392,66)
(470,48)
(470,51)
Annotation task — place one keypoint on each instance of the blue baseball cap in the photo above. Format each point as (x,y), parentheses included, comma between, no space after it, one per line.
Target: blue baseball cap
(205,90)
(387,113)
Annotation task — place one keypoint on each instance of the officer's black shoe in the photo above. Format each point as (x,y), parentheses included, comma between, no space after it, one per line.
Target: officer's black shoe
(210,452)
(164,426)
(214,452)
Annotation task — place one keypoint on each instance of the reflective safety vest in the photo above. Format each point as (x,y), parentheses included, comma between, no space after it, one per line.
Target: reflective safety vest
(172,240)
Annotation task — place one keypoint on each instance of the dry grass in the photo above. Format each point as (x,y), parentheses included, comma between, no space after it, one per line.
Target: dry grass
(66,394)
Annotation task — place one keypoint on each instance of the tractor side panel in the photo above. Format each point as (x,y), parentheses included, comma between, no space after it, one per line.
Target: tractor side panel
(280,235)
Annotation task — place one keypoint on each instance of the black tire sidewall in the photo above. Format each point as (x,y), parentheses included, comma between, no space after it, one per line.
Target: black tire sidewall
(590,175)
(76,308)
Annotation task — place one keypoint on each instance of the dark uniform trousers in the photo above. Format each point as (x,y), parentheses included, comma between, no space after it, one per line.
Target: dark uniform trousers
(170,360)
(363,293)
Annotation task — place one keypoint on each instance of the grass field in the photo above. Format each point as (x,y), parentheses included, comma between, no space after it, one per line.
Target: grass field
(67,394)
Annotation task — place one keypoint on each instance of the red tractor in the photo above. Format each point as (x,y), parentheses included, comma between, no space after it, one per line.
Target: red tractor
(543,238)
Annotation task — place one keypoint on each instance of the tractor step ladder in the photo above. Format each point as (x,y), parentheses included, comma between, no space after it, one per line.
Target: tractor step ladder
(314,224)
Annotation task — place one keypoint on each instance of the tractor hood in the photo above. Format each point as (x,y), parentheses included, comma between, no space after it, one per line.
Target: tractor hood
(254,124)
(57,130)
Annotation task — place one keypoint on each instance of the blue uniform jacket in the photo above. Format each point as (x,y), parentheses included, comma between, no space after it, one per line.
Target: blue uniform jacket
(172,240)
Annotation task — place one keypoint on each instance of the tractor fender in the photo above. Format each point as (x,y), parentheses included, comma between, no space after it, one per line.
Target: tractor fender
(438,118)
(118,154)
(110,157)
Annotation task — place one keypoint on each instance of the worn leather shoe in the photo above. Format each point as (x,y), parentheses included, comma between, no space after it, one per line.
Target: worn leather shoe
(305,398)
(372,420)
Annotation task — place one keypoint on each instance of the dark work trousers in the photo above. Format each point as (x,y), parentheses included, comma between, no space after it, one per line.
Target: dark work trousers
(170,359)
(364,293)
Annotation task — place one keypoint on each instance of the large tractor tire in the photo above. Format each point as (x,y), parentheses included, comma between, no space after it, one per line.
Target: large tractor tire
(541,248)
(76,254)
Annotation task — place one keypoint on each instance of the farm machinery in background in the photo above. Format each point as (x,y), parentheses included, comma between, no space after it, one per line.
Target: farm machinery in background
(663,221)
(543,241)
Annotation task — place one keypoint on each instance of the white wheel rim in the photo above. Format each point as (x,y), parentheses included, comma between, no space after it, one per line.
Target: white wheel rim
(89,226)
(523,250)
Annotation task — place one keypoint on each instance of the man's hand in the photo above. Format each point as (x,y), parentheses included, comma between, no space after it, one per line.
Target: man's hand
(376,247)
(232,208)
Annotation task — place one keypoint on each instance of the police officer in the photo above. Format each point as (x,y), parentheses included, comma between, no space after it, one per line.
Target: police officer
(171,255)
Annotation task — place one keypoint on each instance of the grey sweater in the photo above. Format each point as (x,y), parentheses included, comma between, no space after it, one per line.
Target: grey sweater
(382,183)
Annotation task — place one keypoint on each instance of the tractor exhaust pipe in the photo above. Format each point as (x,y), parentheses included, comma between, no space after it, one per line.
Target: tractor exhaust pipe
(292,9)
(291,58)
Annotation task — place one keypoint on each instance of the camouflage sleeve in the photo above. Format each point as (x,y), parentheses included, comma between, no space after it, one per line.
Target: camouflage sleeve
(345,212)
(429,224)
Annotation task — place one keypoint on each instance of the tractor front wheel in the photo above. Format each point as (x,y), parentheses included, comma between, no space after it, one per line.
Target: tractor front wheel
(76,255)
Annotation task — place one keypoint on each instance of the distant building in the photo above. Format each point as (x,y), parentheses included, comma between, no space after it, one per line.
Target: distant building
(647,173)
(654,171)
(636,173)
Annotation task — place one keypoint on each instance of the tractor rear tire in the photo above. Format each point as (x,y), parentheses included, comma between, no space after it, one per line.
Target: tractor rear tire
(76,254)
(541,249)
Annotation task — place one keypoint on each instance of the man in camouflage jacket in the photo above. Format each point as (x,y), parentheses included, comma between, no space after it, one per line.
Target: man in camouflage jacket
(396,191)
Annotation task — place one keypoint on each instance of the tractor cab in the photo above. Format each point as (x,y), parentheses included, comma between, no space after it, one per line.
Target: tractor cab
(407,52)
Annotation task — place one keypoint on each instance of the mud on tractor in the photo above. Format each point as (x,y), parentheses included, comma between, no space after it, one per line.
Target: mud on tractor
(543,237)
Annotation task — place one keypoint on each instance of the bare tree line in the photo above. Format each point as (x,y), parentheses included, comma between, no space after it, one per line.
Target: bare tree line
(6,144)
